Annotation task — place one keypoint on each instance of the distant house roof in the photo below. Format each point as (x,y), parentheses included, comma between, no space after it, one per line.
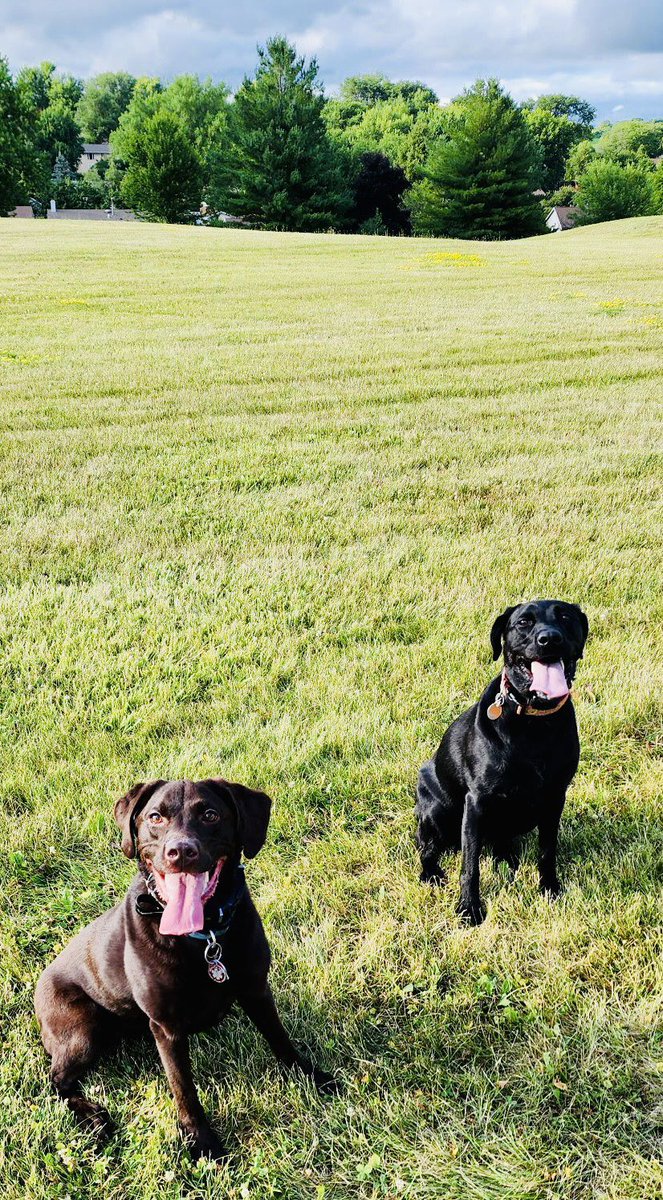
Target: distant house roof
(91,214)
(562,216)
(96,147)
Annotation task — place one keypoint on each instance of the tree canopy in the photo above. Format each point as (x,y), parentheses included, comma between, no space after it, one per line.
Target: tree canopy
(378,196)
(104,99)
(557,124)
(164,176)
(382,156)
(609,191)
(623,141)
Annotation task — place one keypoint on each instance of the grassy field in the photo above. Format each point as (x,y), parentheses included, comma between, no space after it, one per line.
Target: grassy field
(261,498)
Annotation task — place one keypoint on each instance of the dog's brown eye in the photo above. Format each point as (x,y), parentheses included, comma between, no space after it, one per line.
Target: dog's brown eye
(523,621)
(210,814)
(156,818)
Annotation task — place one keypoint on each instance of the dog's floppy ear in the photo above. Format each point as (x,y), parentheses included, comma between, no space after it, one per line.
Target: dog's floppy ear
(127,807)
(497,632)
(253,809)
(584,624)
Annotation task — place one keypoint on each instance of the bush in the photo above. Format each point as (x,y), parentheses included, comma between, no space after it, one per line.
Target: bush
(609,192)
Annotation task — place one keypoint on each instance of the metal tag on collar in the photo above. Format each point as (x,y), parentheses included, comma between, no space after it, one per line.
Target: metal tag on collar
(215,968)
(494,710)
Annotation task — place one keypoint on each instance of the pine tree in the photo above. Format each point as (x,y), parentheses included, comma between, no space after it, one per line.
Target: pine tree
(281,170)
(479,182)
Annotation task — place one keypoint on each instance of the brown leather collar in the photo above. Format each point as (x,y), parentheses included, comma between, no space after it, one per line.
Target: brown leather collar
(495,708)
(544,712)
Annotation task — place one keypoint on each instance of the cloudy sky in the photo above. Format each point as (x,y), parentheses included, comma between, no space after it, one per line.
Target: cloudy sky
(610,53)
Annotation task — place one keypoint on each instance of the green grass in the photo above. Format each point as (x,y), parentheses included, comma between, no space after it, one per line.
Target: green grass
(261,498)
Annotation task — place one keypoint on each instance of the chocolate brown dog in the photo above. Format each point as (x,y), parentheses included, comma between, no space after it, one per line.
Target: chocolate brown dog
(184,944)
(503,767)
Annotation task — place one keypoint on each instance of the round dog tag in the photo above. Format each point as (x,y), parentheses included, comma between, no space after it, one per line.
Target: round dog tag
(217,971)
(494,710)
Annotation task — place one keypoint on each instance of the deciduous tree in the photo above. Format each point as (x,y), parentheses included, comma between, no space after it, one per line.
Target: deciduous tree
(164,178)
(378,192)
(104,99)
(622,142)
(609,191)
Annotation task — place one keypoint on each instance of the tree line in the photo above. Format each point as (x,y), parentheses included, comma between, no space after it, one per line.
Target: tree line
(382,157)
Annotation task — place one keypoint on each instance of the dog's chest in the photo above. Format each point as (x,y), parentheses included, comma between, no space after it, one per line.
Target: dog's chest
(195,1000)
(520,785)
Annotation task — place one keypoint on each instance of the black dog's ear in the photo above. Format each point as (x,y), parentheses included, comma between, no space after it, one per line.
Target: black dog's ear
(127,807)
(497,632)
(584,624)
(253,810)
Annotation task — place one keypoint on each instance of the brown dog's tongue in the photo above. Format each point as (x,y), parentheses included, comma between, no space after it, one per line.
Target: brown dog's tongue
(184,902)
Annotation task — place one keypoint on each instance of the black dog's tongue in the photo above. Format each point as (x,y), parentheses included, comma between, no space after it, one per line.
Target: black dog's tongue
(549,679)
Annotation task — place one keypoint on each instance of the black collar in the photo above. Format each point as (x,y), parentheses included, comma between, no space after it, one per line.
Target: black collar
(149,905)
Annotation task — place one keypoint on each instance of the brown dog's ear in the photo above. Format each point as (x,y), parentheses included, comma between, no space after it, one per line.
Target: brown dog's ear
(127,807)
(497,632)
(253,809)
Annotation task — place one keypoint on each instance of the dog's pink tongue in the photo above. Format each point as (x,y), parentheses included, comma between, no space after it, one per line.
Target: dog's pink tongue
(549,679)
(184,904)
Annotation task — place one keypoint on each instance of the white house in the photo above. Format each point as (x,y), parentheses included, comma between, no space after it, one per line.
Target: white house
(562,216)
(93,152)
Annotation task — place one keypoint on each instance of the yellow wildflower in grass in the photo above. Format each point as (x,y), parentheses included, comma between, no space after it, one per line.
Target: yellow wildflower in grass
(613,306)
(453,258)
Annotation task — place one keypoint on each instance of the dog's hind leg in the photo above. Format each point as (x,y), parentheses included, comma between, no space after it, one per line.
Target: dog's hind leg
(433,809)
(430,847)
(73,1028)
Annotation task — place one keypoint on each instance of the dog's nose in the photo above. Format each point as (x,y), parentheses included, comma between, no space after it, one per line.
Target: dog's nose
(180,853)
(549,639)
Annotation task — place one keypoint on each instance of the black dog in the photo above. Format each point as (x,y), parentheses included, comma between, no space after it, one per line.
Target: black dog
(503,767)
(174,955)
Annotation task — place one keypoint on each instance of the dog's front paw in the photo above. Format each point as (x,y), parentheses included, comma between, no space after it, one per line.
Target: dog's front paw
(471,909)
(93,1118)
(551,888)
(325,1083)
(433,876)
(205,1143)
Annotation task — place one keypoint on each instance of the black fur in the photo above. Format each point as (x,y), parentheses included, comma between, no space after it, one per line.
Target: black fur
(492,781)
